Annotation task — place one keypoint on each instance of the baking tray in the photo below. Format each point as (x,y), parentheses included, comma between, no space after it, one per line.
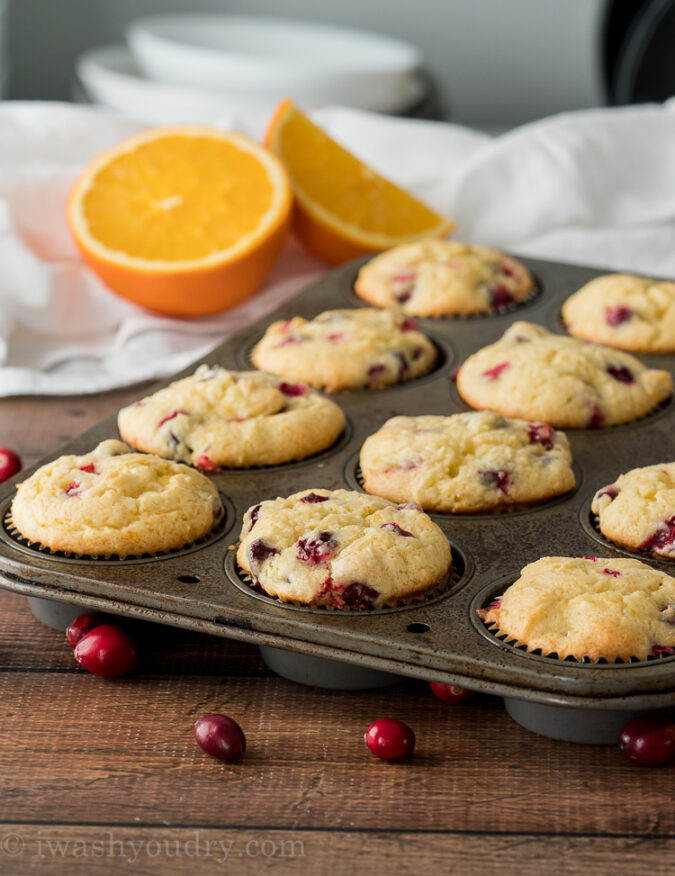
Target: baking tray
(440,639)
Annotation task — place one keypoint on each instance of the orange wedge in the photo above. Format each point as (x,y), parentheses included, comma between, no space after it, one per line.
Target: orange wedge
(343,209)
(185,221)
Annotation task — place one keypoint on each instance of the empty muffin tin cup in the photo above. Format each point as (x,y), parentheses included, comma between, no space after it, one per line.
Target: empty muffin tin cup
(55,614)
(568,724)
(322,672)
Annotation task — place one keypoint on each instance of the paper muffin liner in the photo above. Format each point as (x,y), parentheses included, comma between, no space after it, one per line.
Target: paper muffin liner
(503,637)
(503,310)
(450,582)
(594,530)
(17,539)
(444,356)
(357,478)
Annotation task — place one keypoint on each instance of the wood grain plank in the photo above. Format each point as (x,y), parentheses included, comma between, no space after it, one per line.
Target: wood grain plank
(122,750)
(35,647)
(91,850)
(33,426)
(479,793)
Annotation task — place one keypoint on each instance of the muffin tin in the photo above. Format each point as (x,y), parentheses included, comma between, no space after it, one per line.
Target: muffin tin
(439,638)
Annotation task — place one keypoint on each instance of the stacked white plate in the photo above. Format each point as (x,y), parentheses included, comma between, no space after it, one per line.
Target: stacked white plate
(236,69)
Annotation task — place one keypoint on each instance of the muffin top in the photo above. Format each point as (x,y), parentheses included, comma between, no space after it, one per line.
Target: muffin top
(111,501)
(443,278)
(233,419)
(638,510)
(624,311)
(466,462)
(346,349)
(342,548)
(589,607)
(534,374)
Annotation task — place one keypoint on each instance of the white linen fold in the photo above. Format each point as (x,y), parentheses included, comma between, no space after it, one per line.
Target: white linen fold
(595,187)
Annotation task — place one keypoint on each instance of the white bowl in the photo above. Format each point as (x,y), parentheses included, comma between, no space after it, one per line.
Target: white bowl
(274,58)
(109,76)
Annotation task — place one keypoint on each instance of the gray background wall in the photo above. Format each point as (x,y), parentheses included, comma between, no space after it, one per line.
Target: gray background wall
(496,62)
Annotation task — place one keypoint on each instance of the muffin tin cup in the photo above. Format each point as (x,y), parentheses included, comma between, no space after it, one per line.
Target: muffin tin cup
(55,614)
(438,639)
(320,672)
(584,726)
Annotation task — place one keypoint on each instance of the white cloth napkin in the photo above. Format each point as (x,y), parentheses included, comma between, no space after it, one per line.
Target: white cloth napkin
(596,187)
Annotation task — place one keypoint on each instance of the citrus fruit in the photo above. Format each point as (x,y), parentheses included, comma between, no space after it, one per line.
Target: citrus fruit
(343,209)
(184,221)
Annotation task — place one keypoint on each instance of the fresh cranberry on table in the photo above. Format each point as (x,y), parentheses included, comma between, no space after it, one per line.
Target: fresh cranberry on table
(220,737)
(389,739)
(83,624)
(449,693)
(107,651)
(10,464)
(649,740)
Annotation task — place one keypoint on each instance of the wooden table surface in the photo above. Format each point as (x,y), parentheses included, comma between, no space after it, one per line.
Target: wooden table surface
(103,776)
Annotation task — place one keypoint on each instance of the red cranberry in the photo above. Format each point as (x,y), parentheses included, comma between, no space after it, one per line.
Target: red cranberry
(407,465)
(663,536)
(313,498)
(403,286)
(171,416)
(501,296)
(409,325)
(498,480)
(394,527)
(205,463)
(621,373)
(597,418)
(259,551)
(649,740)
(220,737)
(616,315)
(359,595)
(292,389)
(107,651)
(317,548)
(493,373)
(254,516)
(90,467)
(612,572)
(449,693)
(10,464)
(82,624)
(389,739)
(403,366)
(541,433)
(73,488)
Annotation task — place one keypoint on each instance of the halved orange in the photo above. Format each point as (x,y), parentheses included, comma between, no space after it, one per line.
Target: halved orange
(343,209)
(184,221)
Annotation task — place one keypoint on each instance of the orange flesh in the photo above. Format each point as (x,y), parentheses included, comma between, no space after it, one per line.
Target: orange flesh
(326,176)
(179,198)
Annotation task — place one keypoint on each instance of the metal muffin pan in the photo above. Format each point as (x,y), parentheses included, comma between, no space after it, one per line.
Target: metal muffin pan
(439,639)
